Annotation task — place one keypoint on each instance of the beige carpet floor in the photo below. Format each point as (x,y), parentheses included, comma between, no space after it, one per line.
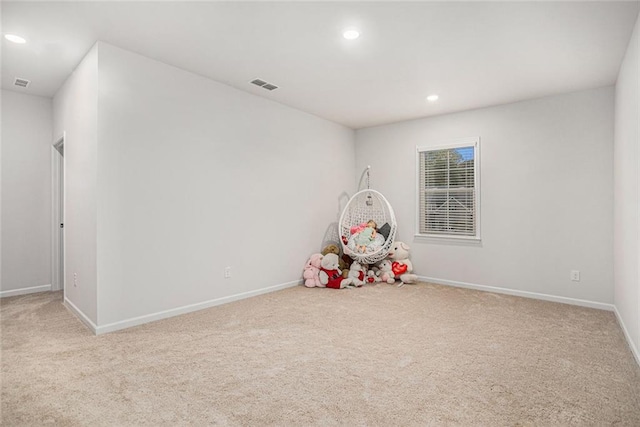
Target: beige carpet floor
(379,355)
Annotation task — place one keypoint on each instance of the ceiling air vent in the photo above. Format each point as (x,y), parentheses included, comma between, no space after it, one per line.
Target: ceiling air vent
(263,84)
(21,82)
(259,82)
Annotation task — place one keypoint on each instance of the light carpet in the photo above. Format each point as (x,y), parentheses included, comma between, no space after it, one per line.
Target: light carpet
(379,356)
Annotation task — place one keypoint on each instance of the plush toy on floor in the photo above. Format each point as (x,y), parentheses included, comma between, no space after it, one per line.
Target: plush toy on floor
(373,276)
(400,263)
(330,275)
(333,249)
(386,272)
(356,274)
(311,273)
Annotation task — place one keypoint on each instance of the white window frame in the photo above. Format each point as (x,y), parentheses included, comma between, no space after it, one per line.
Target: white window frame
(445,145)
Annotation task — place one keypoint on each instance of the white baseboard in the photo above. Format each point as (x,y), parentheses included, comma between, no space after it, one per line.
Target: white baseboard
(525,294)
(632,346)
(24,291)
(128,323)
(80,315)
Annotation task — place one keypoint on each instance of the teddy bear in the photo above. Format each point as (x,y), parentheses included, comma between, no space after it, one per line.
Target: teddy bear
(312,270)
(329,274)
(346,261)
(386,272)
(356,274)
(331,249)
(400,264)
(334,249)
(373,276)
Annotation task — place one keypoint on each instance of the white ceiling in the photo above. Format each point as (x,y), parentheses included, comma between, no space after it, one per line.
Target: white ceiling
(473,54)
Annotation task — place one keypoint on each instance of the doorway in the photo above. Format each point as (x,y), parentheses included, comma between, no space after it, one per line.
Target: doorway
(57,215)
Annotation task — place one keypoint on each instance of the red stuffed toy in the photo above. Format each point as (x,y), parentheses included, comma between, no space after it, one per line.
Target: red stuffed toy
(398,269)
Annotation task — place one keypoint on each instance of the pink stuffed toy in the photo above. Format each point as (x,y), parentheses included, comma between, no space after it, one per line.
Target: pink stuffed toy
(311,272)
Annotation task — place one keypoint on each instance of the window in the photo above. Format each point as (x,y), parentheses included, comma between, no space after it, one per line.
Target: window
(448,190)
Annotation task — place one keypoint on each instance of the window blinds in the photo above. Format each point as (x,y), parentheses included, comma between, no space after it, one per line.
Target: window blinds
(447,199)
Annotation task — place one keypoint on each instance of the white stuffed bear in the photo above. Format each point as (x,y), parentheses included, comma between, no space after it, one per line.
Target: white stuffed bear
(400,263)
(330,274)
(386,272)
(373,276)
(356,274)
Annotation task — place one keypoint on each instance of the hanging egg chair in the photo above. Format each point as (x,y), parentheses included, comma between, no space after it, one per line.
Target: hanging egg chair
(364,206)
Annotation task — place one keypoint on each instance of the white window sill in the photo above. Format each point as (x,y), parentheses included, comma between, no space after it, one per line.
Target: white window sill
(456,240)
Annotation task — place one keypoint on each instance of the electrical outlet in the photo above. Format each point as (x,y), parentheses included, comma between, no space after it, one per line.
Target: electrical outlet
(75,280)
(575,275)
(227,272)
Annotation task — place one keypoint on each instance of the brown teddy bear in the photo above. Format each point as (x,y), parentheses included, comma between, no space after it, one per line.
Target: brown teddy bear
(334,249)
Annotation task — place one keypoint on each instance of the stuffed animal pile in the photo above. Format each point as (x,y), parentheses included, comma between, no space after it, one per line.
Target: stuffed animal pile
(329,270)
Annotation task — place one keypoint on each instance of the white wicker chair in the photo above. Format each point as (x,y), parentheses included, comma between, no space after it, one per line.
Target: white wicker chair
(362,207)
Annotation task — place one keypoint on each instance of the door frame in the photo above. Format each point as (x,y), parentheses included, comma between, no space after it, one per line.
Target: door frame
(57,213)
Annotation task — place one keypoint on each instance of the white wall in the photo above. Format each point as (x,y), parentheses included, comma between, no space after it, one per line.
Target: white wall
(75,113)
(626,192)
(546,199)
(26,192)
(194,176)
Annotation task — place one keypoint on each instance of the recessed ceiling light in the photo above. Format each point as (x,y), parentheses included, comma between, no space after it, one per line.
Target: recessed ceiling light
(14,38)
(432,98)
(351,34)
